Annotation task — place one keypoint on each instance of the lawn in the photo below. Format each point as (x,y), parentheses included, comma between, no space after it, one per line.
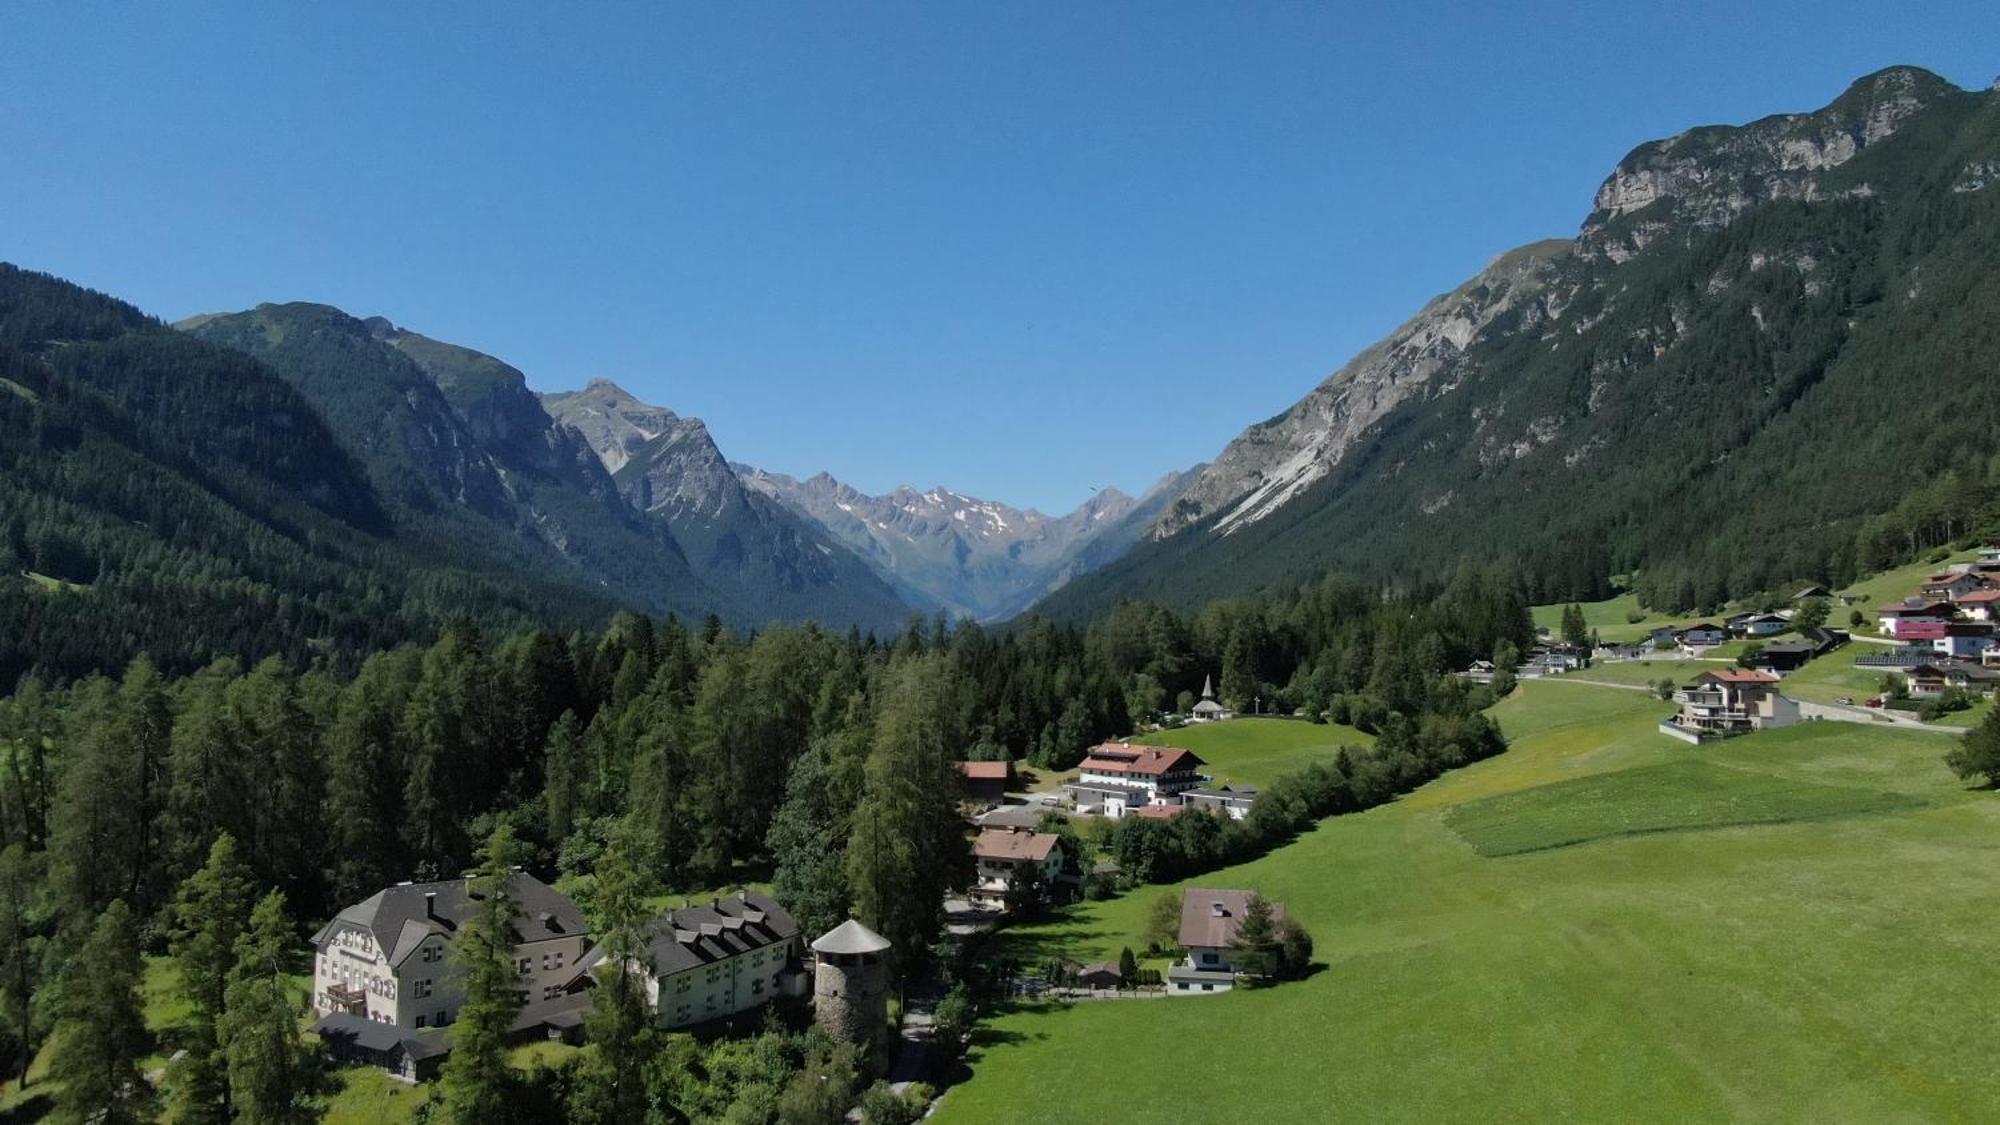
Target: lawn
(1892,586)
(1608,618)
(1835,967)
(1256,751)
(1646,673)
(1692,793)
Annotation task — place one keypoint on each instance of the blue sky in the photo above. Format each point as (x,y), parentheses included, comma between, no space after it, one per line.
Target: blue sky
(1021,250)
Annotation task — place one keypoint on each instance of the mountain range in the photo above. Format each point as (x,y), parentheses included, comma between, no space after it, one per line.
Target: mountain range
(1761,340)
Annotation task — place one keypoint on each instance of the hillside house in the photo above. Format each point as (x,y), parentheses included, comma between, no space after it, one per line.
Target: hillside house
(708,962)
(1928,680)
(1002,858)
(1967,640)
(1727,702)
(1117,776)
(386,958)
(1209,921)
(1951,585)
(1916,619)
(986,783)
(1810,593)
(1979,605)
(1765,624)
(1697,639)
(1232,799)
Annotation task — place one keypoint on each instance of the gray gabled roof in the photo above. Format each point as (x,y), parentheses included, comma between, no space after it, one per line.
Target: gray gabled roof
(401,917)
(850,937)
(692,936)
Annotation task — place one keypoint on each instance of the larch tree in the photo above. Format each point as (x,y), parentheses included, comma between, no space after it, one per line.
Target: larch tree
(611,1080)
(477,1080)
(102,1033)
(209,914)
(268,1063)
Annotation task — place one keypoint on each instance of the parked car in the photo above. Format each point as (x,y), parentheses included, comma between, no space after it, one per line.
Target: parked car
(1872,701)
(1845,701)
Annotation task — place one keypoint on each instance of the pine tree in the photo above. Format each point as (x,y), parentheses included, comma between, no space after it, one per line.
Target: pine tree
(268,1063)
(20,955)
(97,826)
(476,1078)
(1255,950)
(562,766)
(102,1033)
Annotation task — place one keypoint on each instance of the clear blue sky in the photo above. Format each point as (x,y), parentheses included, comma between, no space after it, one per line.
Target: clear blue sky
(1018,249)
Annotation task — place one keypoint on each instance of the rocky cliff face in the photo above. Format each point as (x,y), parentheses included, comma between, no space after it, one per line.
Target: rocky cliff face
(1274,461)
(669,467)
(978,558)
(1700,179)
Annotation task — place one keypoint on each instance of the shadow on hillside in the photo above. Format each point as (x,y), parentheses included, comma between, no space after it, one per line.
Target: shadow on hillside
(35,1107)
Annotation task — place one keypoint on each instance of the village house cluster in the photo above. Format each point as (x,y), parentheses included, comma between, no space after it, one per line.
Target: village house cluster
(1949,631)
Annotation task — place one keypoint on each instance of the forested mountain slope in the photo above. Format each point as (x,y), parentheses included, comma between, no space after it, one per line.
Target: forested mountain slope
(164,495)
(1763,340)
(462,457)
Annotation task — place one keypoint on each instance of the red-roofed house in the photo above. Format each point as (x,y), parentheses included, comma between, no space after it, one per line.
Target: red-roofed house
(1729,701)
(1001,856)
(1951,585)
(1979,605)
(986,782)
(1915,620)
(1118,776)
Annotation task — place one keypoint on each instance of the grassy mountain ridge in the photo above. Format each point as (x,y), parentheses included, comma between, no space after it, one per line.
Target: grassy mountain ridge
(1746,357)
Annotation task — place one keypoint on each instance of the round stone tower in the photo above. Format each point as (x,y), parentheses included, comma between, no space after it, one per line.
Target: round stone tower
(851,984)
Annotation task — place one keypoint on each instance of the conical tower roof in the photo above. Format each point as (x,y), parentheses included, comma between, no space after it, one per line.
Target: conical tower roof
(850,937)
(1208,687)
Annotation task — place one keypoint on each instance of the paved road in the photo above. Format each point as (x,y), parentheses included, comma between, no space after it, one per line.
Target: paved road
(1869,716)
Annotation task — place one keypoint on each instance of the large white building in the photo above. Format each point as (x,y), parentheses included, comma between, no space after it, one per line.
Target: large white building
(712,961)
(1117,777)
(387,959)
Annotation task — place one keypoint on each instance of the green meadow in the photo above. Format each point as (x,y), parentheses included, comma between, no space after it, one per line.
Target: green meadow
(1788,926)
(1257,751)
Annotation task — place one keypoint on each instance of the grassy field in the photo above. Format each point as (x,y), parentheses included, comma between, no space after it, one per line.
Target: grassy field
(1892,585)
(1834,967)
(1646,673)
(1257,751)
(1609,618)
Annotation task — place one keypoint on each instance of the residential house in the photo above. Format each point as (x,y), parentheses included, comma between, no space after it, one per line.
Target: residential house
(1117,776)
(1980,605)
(1697,639)
(1666,636)
(1765,624)
(1726,702)
(986,783)
(387,958)
(1209,922)
(1927,680)
(712,961)
(1964,639)
(1785,656)
(1916,619)
(1951,585)
(1013,816)
(1232,799)
(1479,672)
(1002,858)
(1104,974)
(1810,593)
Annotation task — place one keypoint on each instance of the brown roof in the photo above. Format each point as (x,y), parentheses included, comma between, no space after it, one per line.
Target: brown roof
(1913,607)
(1211,918)
(986,771)
(1161,812)
(1009,843)
(1739,676)
(1980,596)
(1152,761)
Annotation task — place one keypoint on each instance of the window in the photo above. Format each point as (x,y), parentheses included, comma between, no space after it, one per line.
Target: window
(420,1021)
(420,989)
(1208,988)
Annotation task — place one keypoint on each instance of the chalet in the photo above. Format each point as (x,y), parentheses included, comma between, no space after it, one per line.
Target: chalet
(986,783)
(1785,656)
(1003,856)
(1927,680)
(1916,619)
(1117,776)
(1666,636)
(1479,672)
(1726,702)
(1810,593)
(1980,605)
(1207,710)
(707,962)
(1209,921)
(1630,651)
(1104,974)
(1765,624)
(1232,799)
(1951,585)
(1700,638)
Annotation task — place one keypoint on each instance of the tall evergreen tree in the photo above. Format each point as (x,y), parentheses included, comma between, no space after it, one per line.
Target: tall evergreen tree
(20,952)
(611,1081)
(209,915)
(102,1033)
(268,1063)
(477,1080)
(807,839)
